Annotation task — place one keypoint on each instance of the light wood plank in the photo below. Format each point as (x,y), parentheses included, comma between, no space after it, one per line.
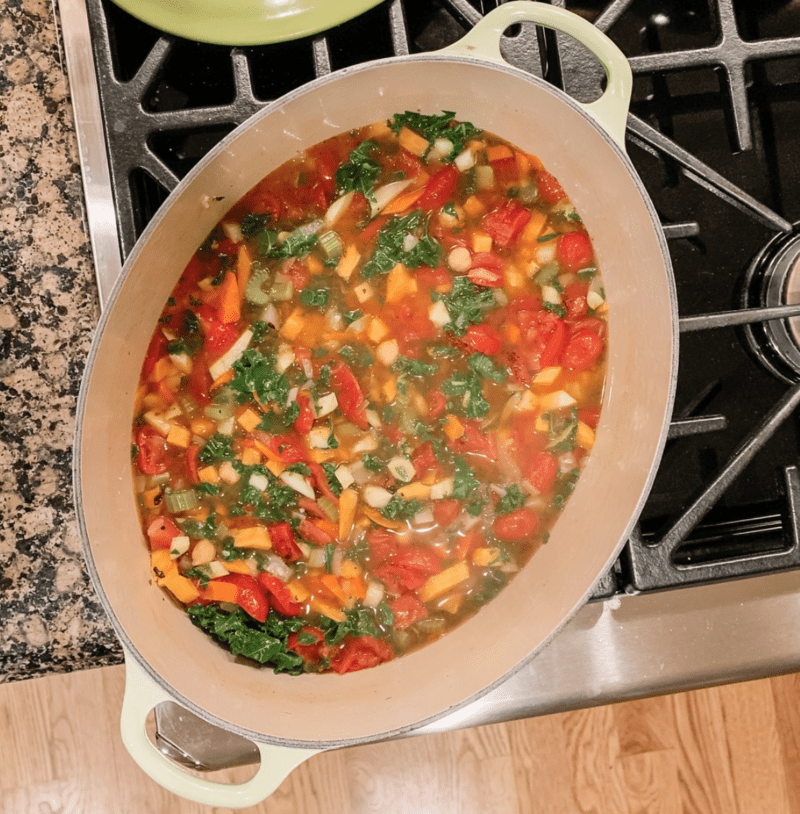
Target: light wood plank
(729,750)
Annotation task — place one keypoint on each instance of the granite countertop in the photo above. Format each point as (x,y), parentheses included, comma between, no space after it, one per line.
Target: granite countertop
(50,618)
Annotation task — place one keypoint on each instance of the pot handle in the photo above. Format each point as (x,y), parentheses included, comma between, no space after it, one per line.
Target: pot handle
(141,695)
(610,111)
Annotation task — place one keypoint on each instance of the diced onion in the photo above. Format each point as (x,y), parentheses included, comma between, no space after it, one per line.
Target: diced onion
(374,594)
(270,316)
(334,320)
(442,489)
(465,160)
(387,193)
(344,476)
(438,314)
(284,359)
(299,483)
(401,468)
(232,231)
(546,253)
(374,419)
(225,362)
(318,437)
(326,404)
(409,241)
(424,517)
(338,208)
(366,444)
(278,568)
(179,545)
(376,496)
(596,296)
(259,482)
(316,558)
(551,295)
(226,427)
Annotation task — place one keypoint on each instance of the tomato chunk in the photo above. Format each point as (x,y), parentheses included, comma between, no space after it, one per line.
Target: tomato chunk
(152,452)
(517,525)
(440,189)
(250,597)
(574,251)
(483,339)
(505,224)
(549,188)
(446,511)
(348,393)
(407,609)
(283,544)
(161,532)
(542,472)
(305,421)
(582,350)
(310,653)
(281,597)
(359,653)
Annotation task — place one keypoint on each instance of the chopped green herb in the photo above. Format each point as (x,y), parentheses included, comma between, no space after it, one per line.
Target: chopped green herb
(464,480)
(206,488)
(414,367)
(329,552)
(399,509)
(511,500)
(360,172)
(333,481)
(218,448)
(436,126)
(314,297)
(256,373)
(466,303)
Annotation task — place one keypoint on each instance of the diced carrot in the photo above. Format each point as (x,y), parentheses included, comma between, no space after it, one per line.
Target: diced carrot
(473,206)
(229,308)
(356,587)
(377,517)
(377,329)
(179,436)
(162,368)
(239,567)
(204,427)
(209,474)
(331,582)
(485,556)
(293,326)
(217,591)
(443,581)
(348,262)
(417,490)
(413,142)
(328,526)
(250,456)
(498,152)
(249,420)
(314,264)
(534,226)
(266,451)
(389,389)
(150,496)
(405,200)
(350,569)
(277,468)
(183,589)
(161,563)
(223,378)
(453,428)
(253,537)
(244,266)
(481,242)
(513,333)
(523,165)
(585,437)
(399,284)
(298,590)
(347,512)
(165,392)
(318,606)
(536,164)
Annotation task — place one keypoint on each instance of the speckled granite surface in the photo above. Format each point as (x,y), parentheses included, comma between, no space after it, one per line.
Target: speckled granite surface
(50,619)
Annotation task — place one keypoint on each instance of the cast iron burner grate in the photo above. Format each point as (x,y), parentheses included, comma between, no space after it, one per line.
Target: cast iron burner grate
(715,110)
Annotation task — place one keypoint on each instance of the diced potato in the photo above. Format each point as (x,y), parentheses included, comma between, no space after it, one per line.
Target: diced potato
(387,353)
(249,420)
(377,330)
(228,473)
(413,142)
(294,324)
(473,206)
(209,474)
(585,436)
(547,375)
(253,537)
(298,590)
(247,567)
(363,293)
(348,262)
(481,242)
(443,581)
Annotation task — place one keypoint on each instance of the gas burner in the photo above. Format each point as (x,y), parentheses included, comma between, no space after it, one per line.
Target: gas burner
(773,279)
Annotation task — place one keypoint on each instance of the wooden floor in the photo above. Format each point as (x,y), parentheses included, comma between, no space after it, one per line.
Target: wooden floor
(729,750)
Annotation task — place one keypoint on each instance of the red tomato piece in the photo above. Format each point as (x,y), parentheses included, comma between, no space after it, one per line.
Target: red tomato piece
(488,278)
(326,163)
(483,339)
(506,171)
(468,543)
(549,188)
(446,511)
(417,558)
(382,546)
(476,441)
(516,526)
(359,653)
(314,533)
(155,350)
(423,459)
(553,344)
(200,379)
(310,653)
(437,404)
(321,481)
(193,463)
(574,298)
(305,421)
(297,273)
(404,161)
(431,278)
(311,507)
(249,597)
(440,189)
(505,224)
(589,416)
(152,455)
(161,532)
(582,350)
(398,579)
(574,251)
(288,447)
(219,337)
(487,260)
(542,472)
(349,395)
(283,544)
(280,596)
(407,609)
(374,227)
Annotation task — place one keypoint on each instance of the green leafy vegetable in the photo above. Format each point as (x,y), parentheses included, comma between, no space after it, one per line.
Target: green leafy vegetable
(464,480)
(437,126)
(256,373)
(469,386)
(466,303)
(360,171)
(562,429)
(333,481)
(413,367)
(389,248)
(483,366)
(218,448)
(564,487)
(399,509)
(512,499)
(314,297)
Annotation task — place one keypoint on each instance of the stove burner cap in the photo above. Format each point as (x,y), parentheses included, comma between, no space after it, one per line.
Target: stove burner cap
(773,279)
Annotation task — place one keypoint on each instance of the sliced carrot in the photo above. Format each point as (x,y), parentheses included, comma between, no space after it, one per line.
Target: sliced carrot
(328,526)
(331,582)
(356,587)
(220,591)
(223,378)
(347,512)
(534,226)
(244,266)
(402,202)
(413,142)
(513,333)
(267,452)
(229,308)
(318,606)
(377,517)
(204,427)
(453,428)
(523,165)
(498,152)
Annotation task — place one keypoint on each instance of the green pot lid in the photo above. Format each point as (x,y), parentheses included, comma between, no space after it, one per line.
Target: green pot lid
(244,22)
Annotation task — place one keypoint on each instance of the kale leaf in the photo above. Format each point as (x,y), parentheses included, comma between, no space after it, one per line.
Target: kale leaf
(437,126)
(360,171)
(218,448)
(511,500)
(464,480)
(256,373)
(413,367)
(466,304)
(389,248)
(399,509)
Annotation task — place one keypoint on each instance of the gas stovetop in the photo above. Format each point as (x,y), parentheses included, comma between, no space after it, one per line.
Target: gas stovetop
(712,132)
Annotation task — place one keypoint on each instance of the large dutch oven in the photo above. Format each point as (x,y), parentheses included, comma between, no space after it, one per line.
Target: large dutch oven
(292,717)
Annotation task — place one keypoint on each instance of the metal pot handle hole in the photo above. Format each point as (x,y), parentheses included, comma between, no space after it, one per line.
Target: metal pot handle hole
(142,694)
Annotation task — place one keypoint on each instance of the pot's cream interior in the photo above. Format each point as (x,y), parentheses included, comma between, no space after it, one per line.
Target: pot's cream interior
(397,695)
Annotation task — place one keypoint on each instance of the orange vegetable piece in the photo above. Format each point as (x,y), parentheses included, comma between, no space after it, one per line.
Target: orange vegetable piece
(229,307)
(498,152)
(402,202)
(219,592)
(331,582)
(243,268)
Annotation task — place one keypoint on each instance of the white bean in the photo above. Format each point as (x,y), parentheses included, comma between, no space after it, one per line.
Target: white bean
(459,259)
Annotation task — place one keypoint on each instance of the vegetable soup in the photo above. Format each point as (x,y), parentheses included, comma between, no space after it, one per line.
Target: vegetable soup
(369,395)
